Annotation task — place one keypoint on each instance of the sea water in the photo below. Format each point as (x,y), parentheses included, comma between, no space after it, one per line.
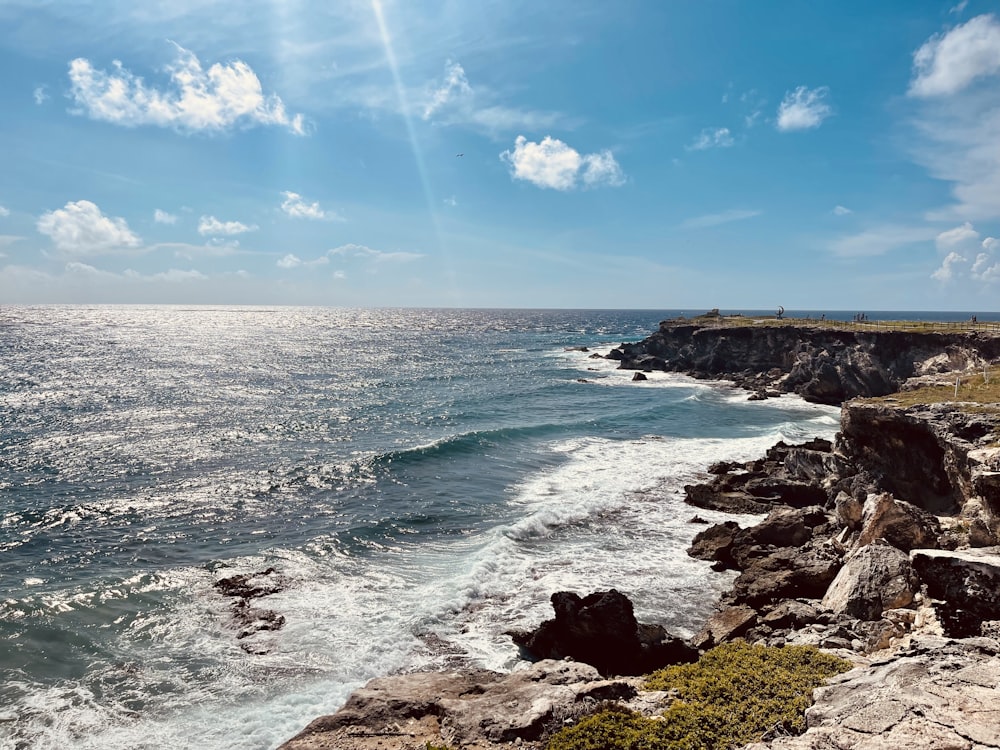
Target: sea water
(423,480)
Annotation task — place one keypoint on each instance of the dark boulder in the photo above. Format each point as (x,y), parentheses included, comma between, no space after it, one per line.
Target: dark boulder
(600,629)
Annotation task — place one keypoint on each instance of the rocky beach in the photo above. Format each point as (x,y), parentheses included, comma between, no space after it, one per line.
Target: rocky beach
(880,546)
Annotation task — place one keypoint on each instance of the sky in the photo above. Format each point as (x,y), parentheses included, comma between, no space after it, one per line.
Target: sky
(659,154)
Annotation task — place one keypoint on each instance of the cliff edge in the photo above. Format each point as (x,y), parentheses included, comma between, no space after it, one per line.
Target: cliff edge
(823,364)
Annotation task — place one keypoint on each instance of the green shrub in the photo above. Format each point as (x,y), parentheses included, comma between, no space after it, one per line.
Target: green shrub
(733,695)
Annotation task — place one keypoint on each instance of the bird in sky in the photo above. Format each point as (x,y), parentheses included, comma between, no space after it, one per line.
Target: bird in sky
(459,154)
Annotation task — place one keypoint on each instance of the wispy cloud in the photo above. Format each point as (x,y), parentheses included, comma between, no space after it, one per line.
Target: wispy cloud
(4,212)
(455,84)
(714,220)
(803,109)
(881,240)
(712,138)
(378,256)
(842,211)
(453,100)
(81,229)
(209,226)
(556,165)
(222,97)
(40,95)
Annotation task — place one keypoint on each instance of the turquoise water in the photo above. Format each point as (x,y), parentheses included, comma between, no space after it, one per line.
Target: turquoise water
(423,480)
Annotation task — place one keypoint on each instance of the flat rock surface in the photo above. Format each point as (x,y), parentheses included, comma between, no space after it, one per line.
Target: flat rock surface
(938,694)
(458,709)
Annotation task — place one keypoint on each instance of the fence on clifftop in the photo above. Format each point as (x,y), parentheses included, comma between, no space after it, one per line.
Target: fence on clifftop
(920,326)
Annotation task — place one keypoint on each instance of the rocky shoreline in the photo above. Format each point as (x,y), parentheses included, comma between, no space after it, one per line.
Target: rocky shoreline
(882,547)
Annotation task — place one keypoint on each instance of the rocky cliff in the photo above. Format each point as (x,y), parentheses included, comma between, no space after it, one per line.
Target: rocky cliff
(823,365)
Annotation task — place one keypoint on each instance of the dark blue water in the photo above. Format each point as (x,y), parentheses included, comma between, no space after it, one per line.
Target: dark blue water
(423,480)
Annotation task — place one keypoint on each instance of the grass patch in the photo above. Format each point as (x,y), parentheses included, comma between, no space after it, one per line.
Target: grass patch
(735,694)
(973,388)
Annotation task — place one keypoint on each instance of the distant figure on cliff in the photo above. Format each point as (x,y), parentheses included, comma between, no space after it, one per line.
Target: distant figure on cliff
(781,311)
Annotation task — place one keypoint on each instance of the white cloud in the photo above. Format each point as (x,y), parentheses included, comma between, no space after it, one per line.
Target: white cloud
(9,239)
(714,220)
(4,212)
(948,63)
(162,217)
(293,261)
(947,270)
(339,275)
(450,201)
(712,138)
(960,7)
(984,268)
(209,225)
(880,240)
(981,263)
(957,123)
(554,164)
(991,274)
(455,84)
(80,228)
(842,211)
(803,109)
(216,99)
(957,237)
(297,208)
(40,95)
(378,256)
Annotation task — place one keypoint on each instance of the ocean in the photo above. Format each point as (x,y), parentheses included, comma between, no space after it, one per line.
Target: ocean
(421,480)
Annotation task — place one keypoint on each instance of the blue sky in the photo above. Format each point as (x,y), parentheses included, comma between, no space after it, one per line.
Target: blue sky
(667,154)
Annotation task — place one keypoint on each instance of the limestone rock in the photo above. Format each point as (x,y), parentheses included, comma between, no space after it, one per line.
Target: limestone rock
(874,578)
(901,524)
(936,695)
(726,625)
(965,585)
(849,511)
(467,709)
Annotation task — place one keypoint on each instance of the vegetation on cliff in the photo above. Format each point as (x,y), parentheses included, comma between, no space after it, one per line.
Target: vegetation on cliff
(735,694)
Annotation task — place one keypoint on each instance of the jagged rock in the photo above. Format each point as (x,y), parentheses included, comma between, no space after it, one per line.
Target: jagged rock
(786,527)
(919,453)
(935,695)
(849,510)
(902,524)
(874,578)
(787,573)
(601,629)
(639,376)
(468,709)
(705,496)
(776,489)
(792,613)
(964,584)
(715,543)
(730,623)
(252,585)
